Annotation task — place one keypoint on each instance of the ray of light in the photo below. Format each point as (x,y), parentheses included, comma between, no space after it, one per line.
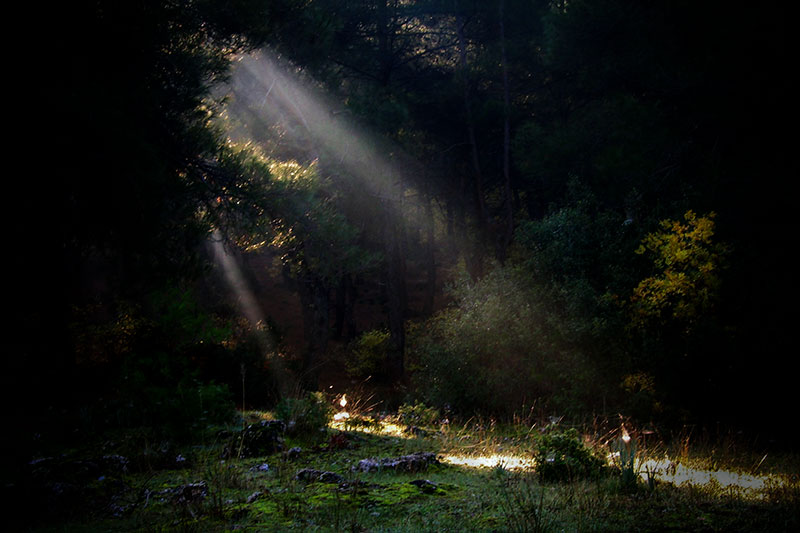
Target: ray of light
(249,307)
(236,282)
(272,93)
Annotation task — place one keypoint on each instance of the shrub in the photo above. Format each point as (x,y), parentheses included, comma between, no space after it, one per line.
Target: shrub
(368,354)
(497,348)
(562,456)
(418,414)
(306,416)
(161,391)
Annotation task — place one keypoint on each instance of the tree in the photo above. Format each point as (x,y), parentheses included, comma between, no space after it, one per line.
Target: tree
(687,283)
(116,209)
(299,218)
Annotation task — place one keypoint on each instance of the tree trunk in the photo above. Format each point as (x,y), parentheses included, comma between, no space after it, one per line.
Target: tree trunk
(430,259)
(315,301)
(508,232)
(382,30)
(339,305)
(473,253)
(394,277)
(344,325)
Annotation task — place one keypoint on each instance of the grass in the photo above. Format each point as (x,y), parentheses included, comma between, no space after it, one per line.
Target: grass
(486,481)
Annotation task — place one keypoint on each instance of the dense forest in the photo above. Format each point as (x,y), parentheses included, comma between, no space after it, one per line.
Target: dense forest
(584,206)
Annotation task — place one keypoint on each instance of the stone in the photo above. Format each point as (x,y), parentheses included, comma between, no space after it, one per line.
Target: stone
(426,486)
(294,453)
(309,475)
(189,493)
(262,438)
(263,467)
(414,462)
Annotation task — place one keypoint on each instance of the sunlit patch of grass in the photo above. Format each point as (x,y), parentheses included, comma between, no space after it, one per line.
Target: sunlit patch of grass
(252,416)
(722,466)
(387,427)
(506,461)
(745,485)
(481,444)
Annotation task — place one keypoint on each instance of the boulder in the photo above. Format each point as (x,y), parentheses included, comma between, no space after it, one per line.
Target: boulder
(262,438)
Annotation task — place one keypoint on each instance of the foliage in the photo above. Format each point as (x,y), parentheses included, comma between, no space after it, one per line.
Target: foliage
(497,348)
(368,354)
(131,215)
(176,310)
(641,399)
(165,361)
(294,210)
(613,119)
(562,456)
(313,235)
(577,257)
(688,264)
(176,411)
(298,216)
(418,414)
(306,416)
(161,385)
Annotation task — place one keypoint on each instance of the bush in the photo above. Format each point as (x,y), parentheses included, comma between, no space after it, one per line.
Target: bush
(418,414)
(499,347)
(307,416)
(175,405)
(368,354)
(561,456)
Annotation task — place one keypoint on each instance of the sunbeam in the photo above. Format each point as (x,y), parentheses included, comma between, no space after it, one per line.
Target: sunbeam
(249,307)
(233,276)
(270,93)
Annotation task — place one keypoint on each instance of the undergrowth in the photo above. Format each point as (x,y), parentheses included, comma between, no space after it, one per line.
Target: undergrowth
(531,477)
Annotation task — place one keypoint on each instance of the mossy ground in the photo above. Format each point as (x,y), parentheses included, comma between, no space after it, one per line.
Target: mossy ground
(243,495)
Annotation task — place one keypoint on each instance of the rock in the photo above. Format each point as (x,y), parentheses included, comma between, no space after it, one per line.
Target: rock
(114,463)
(189,493)
(415,462)
(264,467)
(354,485)
(253,497)
(294,453)
(426,486)
(309,475)
(262,438)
